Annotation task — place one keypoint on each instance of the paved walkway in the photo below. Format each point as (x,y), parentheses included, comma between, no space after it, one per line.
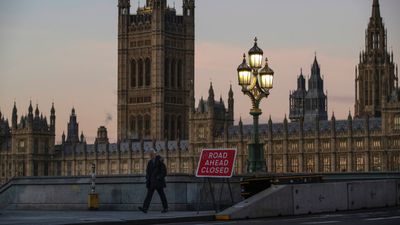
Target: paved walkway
(11,217)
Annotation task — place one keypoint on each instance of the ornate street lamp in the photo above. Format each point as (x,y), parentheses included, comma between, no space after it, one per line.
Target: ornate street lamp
(256,84)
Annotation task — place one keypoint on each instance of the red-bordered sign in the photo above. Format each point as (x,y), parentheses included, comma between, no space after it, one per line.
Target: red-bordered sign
(216,163)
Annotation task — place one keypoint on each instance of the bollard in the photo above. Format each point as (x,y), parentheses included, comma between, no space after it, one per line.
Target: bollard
(93,198)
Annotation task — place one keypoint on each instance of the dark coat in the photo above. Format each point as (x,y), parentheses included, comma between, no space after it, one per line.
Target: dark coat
(155,173)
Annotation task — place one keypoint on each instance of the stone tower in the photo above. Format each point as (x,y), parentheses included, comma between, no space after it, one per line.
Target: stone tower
(297,98)
(73,128)
(375,76)
(155,70)
(316,102)
(309,104)
(32,143)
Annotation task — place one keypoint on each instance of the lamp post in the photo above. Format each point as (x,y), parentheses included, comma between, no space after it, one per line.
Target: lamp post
(256,83)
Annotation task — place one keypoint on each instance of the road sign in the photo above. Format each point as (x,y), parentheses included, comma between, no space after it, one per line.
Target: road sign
(216,163)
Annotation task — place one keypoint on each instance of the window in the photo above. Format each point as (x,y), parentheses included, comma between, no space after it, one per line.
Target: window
(360,163)
(147,125)
(46,169)
(396,162)
(326,164)
(179,124)
(166,126)
(376,163)
(397,122)
(35,169)
(133,131)
(133,73)
(179,74)
(140,125)
(136,167)
(21,146)
(310,164)
(173,127)
(185,167)
(166,73)
(278,165)
(140,73)
(35,146)
(294,165)
(114,167)
(343,163)
(173,73)
(69,168)
(124,167)
(148,72)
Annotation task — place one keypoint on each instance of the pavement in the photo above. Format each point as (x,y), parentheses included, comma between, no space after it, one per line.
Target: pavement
(21,217)
(384,216)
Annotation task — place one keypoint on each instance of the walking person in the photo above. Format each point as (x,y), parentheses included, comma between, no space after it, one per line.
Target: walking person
(156,172)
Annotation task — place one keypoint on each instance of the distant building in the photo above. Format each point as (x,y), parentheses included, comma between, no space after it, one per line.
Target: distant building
(370,141)
(309,104)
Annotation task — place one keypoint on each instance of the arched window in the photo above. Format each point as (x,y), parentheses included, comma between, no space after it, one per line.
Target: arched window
(166,73)
(140,72)
(132,128)
(173,73)
(173,127)
(166,126)
(180,126)
(140,126)
(133,73)
(147,125)
(179,74)
(148,72)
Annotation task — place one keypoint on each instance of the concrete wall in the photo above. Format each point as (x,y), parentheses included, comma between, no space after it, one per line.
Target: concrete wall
(315,198)
(116,193)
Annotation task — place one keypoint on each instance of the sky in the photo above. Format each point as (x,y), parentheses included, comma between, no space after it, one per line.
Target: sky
(66,52)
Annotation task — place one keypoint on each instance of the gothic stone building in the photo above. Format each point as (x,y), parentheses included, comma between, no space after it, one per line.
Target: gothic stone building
(369,141)
(155,70)
(309,104)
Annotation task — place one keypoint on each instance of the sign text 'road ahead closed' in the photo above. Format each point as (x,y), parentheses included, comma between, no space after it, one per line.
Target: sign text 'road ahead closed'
(216,163)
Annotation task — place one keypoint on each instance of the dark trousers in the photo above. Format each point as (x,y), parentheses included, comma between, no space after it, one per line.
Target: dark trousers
(149,196)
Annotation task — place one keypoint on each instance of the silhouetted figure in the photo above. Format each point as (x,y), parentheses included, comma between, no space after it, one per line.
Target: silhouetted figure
(156,172)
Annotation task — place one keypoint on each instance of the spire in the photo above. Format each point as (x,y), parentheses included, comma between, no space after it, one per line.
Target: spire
(52,110)
(315,67)
(30,109)
(211,94)
(376,14)
(230,93)
(37,111)
(14,116)
(349,117)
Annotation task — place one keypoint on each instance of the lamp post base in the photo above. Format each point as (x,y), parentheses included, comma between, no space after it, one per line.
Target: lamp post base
(256,161)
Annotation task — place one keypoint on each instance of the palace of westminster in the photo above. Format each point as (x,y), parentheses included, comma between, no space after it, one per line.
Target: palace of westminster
(156,109)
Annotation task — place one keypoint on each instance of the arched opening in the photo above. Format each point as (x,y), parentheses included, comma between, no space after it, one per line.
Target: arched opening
(180,127)
(140,126)
(132,127)
(133,73)
(140,72)
(173,73)
(166,126)
(148,71)
(147,125)
(173,127)
(166,73)
(179,74)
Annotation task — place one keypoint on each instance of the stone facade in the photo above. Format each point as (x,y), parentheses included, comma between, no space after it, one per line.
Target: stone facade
(365,142)
(155,70)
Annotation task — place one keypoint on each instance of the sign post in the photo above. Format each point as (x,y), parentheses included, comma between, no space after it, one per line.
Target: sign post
(216,163)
